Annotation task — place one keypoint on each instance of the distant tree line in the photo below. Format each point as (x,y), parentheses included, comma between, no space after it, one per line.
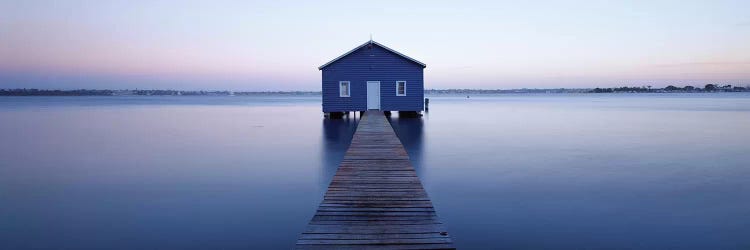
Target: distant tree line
(154,92)
(46,92)
(157,92)
(172,92)
(671,88)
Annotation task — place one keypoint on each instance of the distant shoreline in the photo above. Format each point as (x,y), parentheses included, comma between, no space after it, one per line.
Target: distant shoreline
(709,88)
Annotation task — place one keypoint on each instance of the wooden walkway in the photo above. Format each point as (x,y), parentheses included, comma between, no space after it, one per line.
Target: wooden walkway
(375,200)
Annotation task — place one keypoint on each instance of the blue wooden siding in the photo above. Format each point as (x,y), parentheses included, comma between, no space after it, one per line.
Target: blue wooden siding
(373,64)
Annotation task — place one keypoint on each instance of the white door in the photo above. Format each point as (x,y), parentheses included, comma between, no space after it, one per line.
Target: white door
(373,95)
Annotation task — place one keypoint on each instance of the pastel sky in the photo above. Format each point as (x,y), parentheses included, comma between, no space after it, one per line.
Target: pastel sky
(278,45)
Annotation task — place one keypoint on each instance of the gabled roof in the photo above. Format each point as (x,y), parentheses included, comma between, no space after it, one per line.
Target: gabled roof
(373,43)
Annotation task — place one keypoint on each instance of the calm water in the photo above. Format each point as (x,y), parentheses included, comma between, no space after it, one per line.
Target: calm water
(505,172)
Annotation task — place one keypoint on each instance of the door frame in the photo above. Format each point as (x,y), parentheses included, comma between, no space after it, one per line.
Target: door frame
(368,94)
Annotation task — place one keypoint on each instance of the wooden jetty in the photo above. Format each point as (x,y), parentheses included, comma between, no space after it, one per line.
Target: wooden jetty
(375,200)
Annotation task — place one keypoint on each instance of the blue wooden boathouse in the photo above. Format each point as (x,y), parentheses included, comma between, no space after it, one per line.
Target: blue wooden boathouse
(372,77)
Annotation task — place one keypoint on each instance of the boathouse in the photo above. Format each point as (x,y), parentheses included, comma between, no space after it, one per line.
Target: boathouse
(372,77)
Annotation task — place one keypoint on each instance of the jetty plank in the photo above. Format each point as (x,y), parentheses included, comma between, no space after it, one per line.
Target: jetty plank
(375,200)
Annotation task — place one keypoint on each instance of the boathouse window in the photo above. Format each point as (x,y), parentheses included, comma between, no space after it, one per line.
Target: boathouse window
(344,90)
(401,88)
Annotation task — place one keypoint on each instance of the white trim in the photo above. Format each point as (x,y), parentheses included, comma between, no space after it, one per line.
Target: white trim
(348,89)
(378,44)
(397,94)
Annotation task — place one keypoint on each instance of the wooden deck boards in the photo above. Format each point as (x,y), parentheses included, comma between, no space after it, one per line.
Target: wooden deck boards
(375,200)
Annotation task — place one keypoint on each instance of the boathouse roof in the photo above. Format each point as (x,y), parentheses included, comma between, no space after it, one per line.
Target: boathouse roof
(371,42)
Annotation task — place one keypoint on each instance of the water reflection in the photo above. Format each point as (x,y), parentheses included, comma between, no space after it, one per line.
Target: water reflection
(579,171)
(336,137)
(410,131)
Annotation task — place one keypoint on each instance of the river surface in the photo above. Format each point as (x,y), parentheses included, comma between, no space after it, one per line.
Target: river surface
(536,171)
